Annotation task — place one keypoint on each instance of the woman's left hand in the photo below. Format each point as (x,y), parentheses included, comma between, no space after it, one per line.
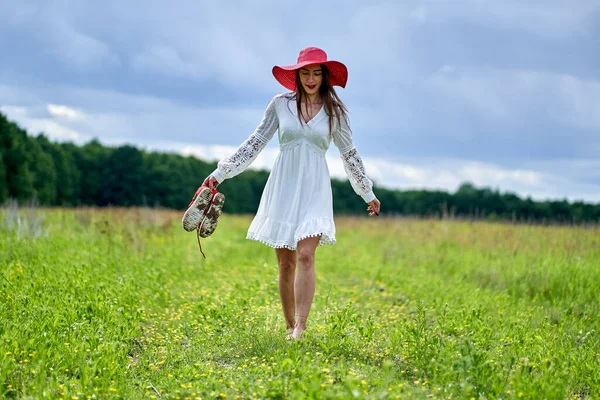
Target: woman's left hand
(374,207)
(211,182)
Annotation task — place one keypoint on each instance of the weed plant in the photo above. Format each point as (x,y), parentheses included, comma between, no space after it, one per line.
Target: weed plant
(117,303)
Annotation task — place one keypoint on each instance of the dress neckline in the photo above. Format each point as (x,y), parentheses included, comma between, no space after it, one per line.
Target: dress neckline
(314,116)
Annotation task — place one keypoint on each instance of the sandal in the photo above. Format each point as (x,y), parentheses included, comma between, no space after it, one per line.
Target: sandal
(203,213)
(209,223)
(196,209)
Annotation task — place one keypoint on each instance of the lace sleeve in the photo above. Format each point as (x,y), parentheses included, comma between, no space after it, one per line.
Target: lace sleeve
(353,165)
(236,163)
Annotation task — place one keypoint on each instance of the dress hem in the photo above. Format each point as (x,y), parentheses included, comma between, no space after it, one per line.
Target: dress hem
(326,238)
(282,234)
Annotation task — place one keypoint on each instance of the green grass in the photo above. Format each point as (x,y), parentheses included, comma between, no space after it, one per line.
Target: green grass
(120,304)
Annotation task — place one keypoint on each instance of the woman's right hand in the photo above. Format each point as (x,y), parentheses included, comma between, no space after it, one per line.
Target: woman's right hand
(374,207)
(211,182)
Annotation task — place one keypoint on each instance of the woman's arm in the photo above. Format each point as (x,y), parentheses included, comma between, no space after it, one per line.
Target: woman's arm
(353,165)
(237,163)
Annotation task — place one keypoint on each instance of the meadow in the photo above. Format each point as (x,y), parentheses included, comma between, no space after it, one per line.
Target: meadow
(119,303)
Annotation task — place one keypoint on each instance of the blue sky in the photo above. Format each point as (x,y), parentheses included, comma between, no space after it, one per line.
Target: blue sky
(504,94)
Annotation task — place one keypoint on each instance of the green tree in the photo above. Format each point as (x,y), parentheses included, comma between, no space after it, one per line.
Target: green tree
(122,178)
(67,175)
(89,160)
(43,173)
(13,146)
(3,183)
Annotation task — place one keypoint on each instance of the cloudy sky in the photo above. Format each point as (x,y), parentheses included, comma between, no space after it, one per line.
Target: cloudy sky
(503,93)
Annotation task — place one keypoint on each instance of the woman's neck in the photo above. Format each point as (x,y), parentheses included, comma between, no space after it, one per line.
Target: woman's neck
(313,99)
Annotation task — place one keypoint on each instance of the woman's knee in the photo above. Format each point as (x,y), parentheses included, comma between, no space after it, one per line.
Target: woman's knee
(287,265)
(306,258)
(286,260)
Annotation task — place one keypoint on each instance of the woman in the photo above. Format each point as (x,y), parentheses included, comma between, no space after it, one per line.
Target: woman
(295,214)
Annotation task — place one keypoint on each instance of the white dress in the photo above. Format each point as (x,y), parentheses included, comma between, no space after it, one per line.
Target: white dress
(297,201)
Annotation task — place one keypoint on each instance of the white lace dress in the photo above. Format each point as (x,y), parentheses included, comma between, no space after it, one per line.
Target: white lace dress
(297,200)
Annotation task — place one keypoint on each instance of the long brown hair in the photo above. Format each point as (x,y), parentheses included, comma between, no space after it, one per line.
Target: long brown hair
(334,106)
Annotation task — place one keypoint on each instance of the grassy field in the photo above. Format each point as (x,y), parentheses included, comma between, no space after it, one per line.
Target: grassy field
(120,304)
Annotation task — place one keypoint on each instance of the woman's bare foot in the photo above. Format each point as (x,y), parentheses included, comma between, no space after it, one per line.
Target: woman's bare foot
(289,334)
(297,334)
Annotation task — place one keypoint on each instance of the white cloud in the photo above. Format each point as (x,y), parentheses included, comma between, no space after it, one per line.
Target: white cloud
(15,112)
(65,112)
(447,174)
(52,129)
(543,183)
(481,173)
(34,125)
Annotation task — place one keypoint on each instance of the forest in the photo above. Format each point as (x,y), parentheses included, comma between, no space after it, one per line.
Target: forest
(35,170)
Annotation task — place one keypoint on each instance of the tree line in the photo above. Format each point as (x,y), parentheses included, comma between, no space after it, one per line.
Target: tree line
(65,174)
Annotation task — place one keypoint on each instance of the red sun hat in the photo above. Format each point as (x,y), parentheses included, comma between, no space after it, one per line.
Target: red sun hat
(286,75)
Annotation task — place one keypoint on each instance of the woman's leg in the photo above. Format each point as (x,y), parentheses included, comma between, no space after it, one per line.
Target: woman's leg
(305,282)
(287,268)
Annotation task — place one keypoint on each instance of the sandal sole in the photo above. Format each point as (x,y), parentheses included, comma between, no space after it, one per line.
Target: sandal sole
(209,223)
(195,212)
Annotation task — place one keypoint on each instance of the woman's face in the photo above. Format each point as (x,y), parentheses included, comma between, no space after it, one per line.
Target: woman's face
(311,77)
